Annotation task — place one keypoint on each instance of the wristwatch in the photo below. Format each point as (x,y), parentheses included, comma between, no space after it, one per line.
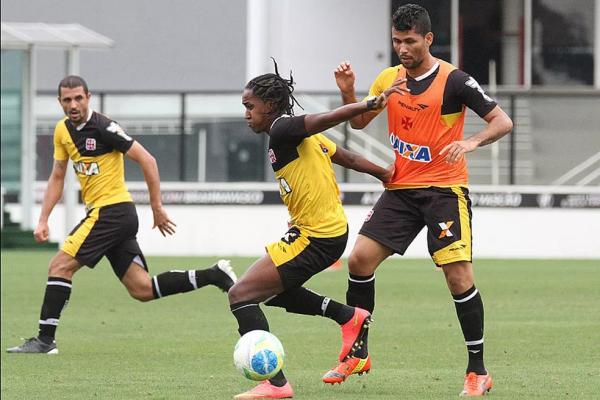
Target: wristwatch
(371,100)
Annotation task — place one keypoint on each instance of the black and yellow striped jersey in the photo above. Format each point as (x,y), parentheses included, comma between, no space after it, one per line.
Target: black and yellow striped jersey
(307,184)
(96,148)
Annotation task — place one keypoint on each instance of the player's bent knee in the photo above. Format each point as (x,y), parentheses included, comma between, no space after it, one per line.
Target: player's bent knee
(360,265)
(459,286)
(141,295)
(459,283)
(238,293)
(58,268)
(233,294)
(459,277)
(142,292)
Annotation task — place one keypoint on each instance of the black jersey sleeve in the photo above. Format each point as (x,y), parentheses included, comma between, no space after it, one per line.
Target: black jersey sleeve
(114,135)
(288,130)
(465,90)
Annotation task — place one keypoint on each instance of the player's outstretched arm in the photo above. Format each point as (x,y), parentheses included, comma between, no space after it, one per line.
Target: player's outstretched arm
(54,191)
(349,159)
(345,78)
(149,167)
(315,123)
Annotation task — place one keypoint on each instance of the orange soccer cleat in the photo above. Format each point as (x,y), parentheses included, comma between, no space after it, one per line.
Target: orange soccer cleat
(265,390)
(343,370)
(353,331)
(476,385)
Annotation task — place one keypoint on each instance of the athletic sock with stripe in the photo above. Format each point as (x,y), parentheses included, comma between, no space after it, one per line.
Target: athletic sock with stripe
(469,308)
(304,301)
(56,298)
(179,281)
(250,317)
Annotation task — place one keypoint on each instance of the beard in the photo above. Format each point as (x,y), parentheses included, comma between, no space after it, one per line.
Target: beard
(411,64)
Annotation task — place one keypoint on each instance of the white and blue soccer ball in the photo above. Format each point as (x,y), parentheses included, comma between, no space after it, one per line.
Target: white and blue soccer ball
(258,355)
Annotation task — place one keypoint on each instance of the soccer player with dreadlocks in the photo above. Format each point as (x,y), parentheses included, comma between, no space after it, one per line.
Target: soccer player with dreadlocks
(301,158)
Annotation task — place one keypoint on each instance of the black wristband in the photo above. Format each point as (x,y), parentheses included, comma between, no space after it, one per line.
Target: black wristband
(371,103)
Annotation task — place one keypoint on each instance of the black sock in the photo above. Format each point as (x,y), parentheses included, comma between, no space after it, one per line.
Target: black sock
(177,281)
(278,380)
(469,309)
(304,301)
(361,293)
(56,298)
(173,282)
(250,317)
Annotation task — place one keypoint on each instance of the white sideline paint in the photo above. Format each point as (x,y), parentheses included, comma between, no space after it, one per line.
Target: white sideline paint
(245,230)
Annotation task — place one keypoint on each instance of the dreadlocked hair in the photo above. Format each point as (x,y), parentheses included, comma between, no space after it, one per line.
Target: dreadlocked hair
(275,89)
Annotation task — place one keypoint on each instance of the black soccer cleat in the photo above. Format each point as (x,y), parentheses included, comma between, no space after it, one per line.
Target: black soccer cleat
(35,345)
(223,275)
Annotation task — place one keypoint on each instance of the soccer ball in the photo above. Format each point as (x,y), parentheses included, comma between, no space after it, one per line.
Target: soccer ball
(258,355)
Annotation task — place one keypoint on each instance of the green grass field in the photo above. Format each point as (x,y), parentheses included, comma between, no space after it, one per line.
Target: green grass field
(542,335)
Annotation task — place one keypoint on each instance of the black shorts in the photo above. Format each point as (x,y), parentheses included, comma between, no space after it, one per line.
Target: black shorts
(299,257)
(399,215)
(106,231)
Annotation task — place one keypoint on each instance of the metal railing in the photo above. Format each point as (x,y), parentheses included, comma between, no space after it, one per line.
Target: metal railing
(585,173)
(537,151)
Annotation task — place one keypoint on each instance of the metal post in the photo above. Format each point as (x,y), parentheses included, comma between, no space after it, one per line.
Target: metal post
(202,154)
(513,115)
(257,37)
(512,10)
(70,189)
(527,45)
(597,45)
(182,139)
(28,139)
(454,33)
(102,96)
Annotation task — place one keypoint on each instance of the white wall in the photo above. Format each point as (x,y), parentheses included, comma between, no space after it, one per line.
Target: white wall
(201,45)
(245,230)
(311,37)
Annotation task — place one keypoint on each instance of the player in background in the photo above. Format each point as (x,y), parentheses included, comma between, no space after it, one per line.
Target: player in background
(96,145)
(301,158)
(429,186)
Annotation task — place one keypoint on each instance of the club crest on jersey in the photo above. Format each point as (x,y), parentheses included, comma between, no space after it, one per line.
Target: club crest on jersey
(272,157)
(413,152)
(90,144)
(407,123)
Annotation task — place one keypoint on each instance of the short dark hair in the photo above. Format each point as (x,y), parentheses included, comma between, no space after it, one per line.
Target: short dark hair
(71,82)
(411,16)
(275,89)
